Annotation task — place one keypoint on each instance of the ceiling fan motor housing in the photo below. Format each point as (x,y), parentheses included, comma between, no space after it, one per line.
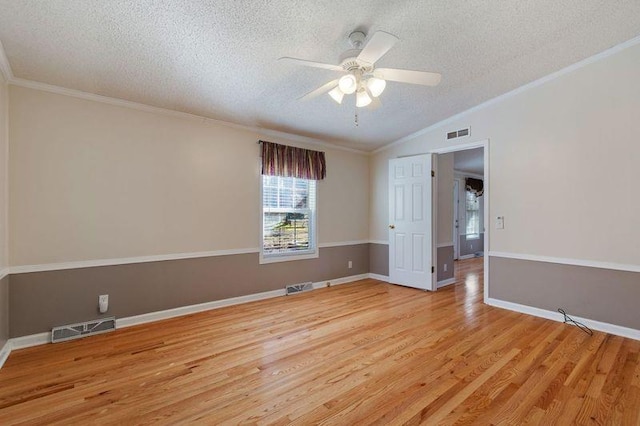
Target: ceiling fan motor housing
(357,39)
(349,59)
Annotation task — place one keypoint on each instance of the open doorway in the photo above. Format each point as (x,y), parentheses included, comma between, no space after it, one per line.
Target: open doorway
(461,205)
(468,215)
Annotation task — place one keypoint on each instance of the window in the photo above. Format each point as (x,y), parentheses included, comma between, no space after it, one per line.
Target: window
(288,218)
(472,216)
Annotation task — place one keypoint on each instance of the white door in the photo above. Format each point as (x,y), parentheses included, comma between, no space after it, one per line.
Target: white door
(456,225)
(410,222)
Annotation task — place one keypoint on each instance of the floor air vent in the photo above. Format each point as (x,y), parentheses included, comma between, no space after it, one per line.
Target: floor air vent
(82,329)
(299,288)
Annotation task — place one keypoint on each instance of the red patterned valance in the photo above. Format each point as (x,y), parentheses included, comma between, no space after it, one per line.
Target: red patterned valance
(475,185)
(289,161)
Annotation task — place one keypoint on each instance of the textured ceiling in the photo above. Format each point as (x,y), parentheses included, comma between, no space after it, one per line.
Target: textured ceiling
(218,59)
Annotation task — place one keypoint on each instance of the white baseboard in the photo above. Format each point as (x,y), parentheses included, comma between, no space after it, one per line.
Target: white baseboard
(378,277)
(216,304)
(44,338)
(30,340)
(446,282)
(467,256)
(618,330)
(192,309)
(4,352)
(441,245)
(385,278)
(346,280)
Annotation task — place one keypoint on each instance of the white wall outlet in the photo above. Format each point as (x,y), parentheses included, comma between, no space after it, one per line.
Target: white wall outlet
(350,264)
(103,303)
(500,222)
(470,246)
(445,267)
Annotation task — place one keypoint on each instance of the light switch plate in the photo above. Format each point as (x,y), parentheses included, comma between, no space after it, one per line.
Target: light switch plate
(500,222)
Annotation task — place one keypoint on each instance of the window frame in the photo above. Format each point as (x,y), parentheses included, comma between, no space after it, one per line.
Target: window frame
(468,236)
(310,253)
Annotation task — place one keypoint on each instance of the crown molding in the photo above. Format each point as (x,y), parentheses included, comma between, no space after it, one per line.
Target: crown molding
(539,82)
(59,90)
(5,67)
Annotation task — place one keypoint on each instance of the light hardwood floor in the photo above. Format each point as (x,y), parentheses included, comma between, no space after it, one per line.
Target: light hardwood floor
(359,353)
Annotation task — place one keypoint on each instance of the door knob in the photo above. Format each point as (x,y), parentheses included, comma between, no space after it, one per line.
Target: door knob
(392,227)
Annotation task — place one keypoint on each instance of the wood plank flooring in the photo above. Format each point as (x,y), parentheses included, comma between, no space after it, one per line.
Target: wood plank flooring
(360,353)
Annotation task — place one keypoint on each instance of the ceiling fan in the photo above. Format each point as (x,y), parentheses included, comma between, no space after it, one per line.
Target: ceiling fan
(361,76)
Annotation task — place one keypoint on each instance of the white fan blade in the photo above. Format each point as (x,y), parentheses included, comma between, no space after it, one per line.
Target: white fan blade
(377,46)
(319,91)
(408,76)
(312,64)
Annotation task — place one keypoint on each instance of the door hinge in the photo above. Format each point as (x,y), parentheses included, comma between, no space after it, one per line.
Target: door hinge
(433,174)
(433,269)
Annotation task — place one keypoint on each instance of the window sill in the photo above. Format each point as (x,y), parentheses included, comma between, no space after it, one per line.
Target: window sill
(287,257)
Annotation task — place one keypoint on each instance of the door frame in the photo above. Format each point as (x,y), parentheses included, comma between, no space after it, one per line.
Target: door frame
(487,229)
(456,218)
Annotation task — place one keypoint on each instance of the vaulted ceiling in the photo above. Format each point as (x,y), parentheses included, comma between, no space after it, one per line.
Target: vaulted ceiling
(219,59)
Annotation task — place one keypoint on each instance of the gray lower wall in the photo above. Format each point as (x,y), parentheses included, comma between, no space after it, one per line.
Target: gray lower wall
(39,301)
(472,246)
(35,302)
(4,311)
(605,295)
(379,259)
(445,257)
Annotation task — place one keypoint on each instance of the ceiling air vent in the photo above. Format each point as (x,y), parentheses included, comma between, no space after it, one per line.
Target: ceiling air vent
(459,133)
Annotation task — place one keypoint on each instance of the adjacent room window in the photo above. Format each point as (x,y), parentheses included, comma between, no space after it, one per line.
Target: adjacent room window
(472,215)
(289,178)
(288,216)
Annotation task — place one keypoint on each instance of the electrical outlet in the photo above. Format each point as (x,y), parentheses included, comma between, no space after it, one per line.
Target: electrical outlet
(445,267)
(471,247)
(350,264)
(103,303)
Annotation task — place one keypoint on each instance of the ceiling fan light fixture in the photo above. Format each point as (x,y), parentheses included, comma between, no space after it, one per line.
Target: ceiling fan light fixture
(362,98)
(337,94)
(376,86)
(348,84)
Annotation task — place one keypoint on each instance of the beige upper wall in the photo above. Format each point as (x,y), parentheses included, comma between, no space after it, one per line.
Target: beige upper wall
(91,180)
(563,160)
(4,173)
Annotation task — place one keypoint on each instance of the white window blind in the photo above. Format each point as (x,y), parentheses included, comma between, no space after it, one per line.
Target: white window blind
(472,216)
(288,216)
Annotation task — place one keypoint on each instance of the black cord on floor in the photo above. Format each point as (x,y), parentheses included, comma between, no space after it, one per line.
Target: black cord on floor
(569,320)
